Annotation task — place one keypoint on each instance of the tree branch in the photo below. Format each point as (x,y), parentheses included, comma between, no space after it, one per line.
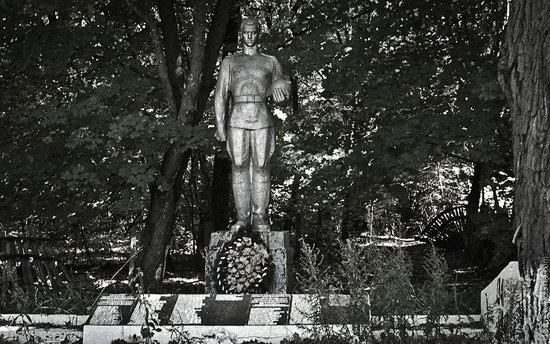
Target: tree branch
(171,44)
(161,58)
(214,43)
(189,97)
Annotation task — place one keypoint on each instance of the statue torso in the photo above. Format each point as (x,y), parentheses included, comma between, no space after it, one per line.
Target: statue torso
(250,81)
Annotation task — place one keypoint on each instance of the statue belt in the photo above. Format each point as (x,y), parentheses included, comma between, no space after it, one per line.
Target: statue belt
(249,99)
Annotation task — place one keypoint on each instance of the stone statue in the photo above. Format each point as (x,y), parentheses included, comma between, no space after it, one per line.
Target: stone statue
(246,82)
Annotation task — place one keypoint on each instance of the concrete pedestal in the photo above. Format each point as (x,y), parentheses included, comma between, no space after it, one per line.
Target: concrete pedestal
(268,318)
(503,295)
(278,246)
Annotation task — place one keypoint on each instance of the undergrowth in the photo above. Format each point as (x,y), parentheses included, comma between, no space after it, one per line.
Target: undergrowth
(383,302)
(71,299)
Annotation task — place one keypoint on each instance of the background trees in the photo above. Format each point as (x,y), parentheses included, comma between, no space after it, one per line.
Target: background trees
(106,119)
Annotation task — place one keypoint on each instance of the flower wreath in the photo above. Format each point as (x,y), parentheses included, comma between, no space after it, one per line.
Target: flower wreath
(243,266)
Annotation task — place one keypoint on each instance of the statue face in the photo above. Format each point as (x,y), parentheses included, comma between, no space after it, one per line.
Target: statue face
(249,35)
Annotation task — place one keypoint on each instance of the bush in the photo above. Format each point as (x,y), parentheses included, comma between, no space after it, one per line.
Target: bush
(378,281)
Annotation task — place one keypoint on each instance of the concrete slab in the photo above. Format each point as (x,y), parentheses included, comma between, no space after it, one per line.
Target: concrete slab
(497,294)
(220,309)
(502,297)
(52,319)
(46,335)
(57,328)
(267,334)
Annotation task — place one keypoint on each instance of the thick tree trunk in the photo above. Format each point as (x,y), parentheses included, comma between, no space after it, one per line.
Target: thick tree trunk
(166,189)
(165,194)
(188,104)
(525,77)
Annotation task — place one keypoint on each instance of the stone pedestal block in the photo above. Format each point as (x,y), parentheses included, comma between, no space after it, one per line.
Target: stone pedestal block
(503,295)
(278,246)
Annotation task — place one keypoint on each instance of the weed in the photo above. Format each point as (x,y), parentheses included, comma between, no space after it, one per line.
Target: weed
(434,295)
(382,299)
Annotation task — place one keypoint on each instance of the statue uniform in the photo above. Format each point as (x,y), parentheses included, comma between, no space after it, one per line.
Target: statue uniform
(242,113)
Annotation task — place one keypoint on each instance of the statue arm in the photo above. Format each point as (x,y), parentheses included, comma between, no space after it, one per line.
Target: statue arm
(277,70)
(220,99)
(281,93)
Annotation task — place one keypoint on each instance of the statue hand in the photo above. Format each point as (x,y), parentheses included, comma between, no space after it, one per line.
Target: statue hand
(280,90)
(279,95)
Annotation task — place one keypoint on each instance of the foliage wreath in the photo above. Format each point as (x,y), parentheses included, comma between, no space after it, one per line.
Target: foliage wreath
(243,265)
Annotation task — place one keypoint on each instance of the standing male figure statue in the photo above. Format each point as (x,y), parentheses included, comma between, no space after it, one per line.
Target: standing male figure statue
(246,81)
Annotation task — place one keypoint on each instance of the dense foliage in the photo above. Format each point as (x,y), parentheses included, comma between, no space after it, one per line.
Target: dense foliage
(397,115)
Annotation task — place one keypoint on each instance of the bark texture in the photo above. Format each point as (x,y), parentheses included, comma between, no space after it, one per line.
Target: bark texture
(185,104)
(525,77)
(166,190)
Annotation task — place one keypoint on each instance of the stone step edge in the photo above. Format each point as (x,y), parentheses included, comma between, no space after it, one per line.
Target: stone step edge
(78,320)
(272,334)
(64,320)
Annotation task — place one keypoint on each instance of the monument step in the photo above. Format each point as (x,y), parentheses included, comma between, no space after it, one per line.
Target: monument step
(69,328)
(206,309)
(238,334)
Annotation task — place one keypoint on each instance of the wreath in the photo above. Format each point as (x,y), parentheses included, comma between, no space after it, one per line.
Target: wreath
(243,266)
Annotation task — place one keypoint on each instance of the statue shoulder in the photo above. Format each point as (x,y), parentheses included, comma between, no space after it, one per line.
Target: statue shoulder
(275,64)
(228,58)
(273,60)
(269,57)
(233,58)
(227,62)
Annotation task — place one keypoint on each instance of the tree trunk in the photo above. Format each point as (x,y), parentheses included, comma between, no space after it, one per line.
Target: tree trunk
(475,190)
(161,220)
(220,22)
(188,104)
(170,40)
(525,77)
(166,189)
(220,191)
(470,237)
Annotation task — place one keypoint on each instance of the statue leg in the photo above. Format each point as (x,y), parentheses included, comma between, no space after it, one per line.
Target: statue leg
(263,146)
(238,146)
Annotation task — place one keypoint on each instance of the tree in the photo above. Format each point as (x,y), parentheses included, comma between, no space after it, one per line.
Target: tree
(102,115)
(391,89)
(525,77)
(78,150)
(186,101)
(88,127)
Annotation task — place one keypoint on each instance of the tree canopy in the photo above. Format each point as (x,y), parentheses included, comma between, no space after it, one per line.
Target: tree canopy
(397,114)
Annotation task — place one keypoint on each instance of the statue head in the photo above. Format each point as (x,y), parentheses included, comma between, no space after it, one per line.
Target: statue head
(250,30)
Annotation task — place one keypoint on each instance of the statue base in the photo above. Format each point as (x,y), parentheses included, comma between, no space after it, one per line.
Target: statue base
(267,318)
(278,246)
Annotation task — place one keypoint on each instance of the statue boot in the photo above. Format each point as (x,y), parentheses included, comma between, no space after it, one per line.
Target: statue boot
(260,200)
(241,194)
(260,222)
